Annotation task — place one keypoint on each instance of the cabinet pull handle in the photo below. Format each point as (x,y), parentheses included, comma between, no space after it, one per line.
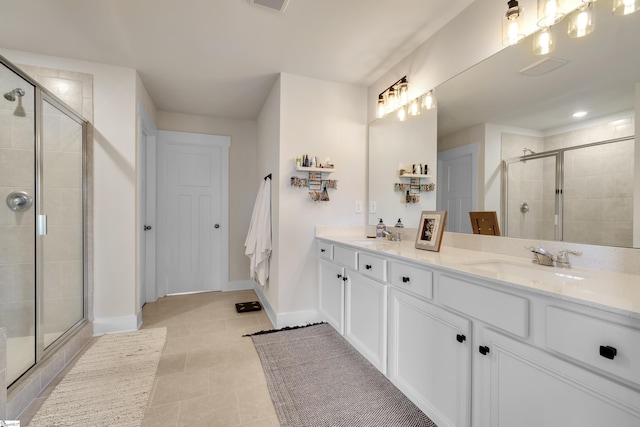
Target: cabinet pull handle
(345,278)
(368,266)
(339,276)
(323,250)
(405,279)
(608,352)
(461,338)
(483,349)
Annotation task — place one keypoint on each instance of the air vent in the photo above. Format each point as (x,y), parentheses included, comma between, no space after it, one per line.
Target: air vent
(275,5)
(543,66)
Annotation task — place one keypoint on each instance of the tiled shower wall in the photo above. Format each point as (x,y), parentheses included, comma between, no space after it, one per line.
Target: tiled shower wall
(598,186)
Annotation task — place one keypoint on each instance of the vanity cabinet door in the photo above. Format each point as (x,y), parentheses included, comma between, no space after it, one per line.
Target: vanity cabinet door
(331,305)
(366,318)
(526,387)
(430,358)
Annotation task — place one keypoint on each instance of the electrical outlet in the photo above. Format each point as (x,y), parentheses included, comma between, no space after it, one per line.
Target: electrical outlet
(373,207)
(358,206)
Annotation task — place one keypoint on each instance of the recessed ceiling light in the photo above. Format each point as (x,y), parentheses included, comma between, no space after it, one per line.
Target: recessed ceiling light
(579,114)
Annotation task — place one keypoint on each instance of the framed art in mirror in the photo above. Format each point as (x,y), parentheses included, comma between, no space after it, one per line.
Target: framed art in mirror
(430,229)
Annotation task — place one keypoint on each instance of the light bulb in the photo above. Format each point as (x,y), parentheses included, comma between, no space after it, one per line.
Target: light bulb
(429,101)
(544,42)
(512,24)
(581,22)
(625,7)
(391,100)
(414,107)
(403,91)
(549,13)
(381,107)
(402,113)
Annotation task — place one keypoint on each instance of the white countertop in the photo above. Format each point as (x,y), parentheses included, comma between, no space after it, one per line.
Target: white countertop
(615,292)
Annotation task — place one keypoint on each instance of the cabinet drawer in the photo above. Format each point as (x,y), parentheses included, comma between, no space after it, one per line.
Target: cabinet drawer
(372,266)
(345,256)
(325,250)
(411,278)
(505,311)
(581,337)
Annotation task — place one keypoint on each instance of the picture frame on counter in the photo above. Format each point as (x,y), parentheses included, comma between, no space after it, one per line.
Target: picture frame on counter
(430,230)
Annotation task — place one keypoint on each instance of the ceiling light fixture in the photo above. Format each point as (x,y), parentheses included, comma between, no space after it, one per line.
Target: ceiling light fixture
(581,22)
(625,7)
(579,114)
(512,24)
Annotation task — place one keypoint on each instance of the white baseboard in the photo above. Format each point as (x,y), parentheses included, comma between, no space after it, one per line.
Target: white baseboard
(108,325)
(238,285)
(281,320)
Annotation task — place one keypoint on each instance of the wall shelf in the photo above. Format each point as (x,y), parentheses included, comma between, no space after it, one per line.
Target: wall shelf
(321,170)
(413,175)
(316,182)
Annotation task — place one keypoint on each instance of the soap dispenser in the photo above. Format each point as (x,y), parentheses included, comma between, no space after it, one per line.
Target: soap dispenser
(380,228)
(399,224)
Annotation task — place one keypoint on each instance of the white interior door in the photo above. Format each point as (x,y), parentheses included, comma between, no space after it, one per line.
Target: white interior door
(457,185)
(194,208)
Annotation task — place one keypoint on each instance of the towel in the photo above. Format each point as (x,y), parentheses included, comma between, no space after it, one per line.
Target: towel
(258,241)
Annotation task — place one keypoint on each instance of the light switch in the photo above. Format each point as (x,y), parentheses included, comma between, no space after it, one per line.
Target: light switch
(358,206)
(373,207)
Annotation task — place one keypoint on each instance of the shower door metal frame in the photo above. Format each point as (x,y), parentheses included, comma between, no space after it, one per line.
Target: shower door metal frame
(41,95)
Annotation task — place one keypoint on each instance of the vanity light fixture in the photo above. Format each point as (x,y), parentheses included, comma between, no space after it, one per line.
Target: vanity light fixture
(512,24)
(549,13)
(402,113)
(581,22)
(414,107)
(392,97)
(544,41)
(625,7)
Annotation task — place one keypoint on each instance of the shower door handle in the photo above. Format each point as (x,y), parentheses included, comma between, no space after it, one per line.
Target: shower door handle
(42,225)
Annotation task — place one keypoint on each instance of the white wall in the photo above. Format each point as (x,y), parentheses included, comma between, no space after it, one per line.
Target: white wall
(636,194)
(244,175)
(269,153)
(114,190)
(321,119)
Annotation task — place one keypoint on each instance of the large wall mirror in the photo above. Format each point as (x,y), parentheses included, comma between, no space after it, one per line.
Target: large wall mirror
(514,113)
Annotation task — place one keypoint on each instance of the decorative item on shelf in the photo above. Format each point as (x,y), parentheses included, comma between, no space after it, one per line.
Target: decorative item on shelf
(412,189)
(430,229)
(316,180)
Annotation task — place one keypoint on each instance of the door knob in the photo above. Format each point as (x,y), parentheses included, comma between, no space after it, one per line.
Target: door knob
(147,227)
(216,226)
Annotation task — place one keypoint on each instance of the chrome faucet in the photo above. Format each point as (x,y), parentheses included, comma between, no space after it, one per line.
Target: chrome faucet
(395,237)
(544,257)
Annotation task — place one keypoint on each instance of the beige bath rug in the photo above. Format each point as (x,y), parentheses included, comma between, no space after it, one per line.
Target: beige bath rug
(109,385)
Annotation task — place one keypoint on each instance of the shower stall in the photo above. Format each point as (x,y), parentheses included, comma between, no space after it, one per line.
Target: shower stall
(579,194)
(42,221)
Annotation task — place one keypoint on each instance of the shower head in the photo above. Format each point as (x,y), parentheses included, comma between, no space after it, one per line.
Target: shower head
(524,151)
(11,96)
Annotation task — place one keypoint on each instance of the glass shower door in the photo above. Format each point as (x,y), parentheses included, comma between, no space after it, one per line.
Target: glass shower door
(17,221)
(62,304)
(532,200)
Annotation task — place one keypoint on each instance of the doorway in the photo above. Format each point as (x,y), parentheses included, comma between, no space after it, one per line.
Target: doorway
(193,230)
(458,185)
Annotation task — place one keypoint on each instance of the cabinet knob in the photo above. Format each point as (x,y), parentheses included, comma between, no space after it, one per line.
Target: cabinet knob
(368,266)
(339,276)
(323,250)
(345,278)
(483,349)
(461,338)
(608,352)
(405,279)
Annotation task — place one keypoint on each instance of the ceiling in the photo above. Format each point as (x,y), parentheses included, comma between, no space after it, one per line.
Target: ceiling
(221,57)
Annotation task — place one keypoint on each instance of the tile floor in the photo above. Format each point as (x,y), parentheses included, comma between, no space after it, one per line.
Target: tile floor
(209,375)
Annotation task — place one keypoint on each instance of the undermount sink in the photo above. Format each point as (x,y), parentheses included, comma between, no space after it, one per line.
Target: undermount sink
(374,242)
(534,273)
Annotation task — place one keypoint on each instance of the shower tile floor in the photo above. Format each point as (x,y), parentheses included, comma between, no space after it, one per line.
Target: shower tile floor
(209,375)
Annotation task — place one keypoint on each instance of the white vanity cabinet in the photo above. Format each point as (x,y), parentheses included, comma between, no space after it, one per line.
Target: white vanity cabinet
(430,358)
(331,301)
(366,317)
(470,350)
(525,386)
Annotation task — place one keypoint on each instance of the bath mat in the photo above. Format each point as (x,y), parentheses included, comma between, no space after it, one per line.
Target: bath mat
(109,385)
(317,379)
